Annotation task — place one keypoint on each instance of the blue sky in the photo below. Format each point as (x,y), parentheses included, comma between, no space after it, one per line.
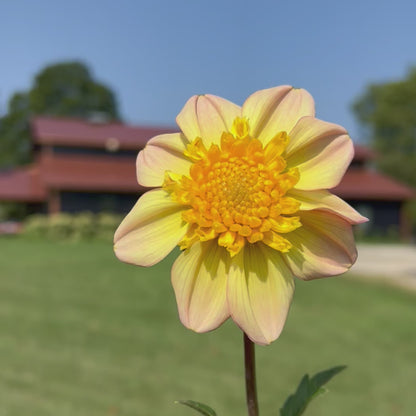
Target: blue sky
(155,54)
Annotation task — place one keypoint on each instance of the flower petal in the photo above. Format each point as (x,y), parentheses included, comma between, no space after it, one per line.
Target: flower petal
(276,109)
(151,230)
(162,153)
(199,278)
(207,117)
(259,292)
(321,151)
(309,129)
(324,246)
(324,200)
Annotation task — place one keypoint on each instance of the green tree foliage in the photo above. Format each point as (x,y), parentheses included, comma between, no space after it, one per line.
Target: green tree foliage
(65,89)
(14,131)
(388,113)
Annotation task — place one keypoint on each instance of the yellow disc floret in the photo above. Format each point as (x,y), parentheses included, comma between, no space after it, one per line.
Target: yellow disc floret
(236,192)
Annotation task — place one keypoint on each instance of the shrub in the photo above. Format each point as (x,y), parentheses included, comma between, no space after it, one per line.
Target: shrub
(84,226)
(60,226)
(35,225)
(80,226)
(107,224)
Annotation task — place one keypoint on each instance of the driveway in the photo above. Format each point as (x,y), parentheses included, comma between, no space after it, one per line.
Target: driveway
(392,262)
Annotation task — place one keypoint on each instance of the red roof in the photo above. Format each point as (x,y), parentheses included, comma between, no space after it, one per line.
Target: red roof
(69,173)
(366,184)
(89,173)
(362,153)
(81,133)
(23,185)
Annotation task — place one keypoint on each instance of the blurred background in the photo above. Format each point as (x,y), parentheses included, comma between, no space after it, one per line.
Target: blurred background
(83,86)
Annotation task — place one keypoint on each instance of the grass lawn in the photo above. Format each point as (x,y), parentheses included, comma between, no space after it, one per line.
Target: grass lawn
(84,335)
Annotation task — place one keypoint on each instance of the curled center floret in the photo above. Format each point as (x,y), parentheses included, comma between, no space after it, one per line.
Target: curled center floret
(236,191)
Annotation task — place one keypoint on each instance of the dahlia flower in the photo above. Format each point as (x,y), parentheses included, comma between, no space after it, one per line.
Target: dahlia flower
(244,193)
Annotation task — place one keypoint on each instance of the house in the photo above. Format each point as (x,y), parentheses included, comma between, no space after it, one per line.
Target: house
(377,196)
(80,165)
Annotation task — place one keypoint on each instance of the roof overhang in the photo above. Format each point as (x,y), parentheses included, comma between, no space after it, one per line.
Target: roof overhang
(365,184)
(22,185)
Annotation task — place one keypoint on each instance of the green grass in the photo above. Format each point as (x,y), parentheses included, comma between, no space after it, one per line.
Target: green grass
(82,334)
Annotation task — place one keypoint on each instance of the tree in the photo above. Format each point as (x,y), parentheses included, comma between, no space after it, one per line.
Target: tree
(14,132)
(65,89)
(388,113)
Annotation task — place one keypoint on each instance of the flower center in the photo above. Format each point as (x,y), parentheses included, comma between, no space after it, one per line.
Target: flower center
(236,192)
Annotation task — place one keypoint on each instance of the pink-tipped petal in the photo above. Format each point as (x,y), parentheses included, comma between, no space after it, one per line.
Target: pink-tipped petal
(321,151)
(324,246)
(276,109)
(162,153)
(207,117)
(199,278)
(259,292)
(151,230)
(324,200)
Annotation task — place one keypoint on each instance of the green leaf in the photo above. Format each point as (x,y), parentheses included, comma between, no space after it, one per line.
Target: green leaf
(308,388)
(199,407)
(324,376)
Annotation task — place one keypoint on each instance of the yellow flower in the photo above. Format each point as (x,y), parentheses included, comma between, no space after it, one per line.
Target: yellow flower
(243,192)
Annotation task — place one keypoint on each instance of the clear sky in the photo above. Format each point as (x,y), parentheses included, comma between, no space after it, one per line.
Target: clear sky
(155,54)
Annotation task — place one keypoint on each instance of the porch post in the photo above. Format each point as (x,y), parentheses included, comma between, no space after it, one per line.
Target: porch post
(404,226)
(54,202)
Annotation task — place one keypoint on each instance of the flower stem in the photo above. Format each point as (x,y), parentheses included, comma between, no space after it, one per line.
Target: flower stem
(250,368)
